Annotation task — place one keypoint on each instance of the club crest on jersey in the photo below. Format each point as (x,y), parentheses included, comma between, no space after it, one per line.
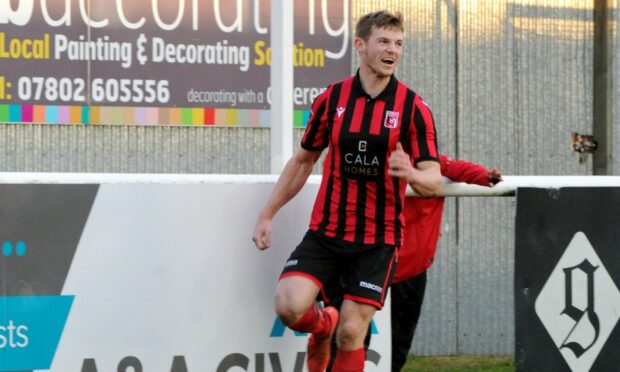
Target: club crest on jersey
(391,119)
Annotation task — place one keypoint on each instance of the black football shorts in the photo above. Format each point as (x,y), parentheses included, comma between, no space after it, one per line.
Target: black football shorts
(362,272)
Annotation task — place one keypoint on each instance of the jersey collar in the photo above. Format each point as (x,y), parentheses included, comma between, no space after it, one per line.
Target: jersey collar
(387,95)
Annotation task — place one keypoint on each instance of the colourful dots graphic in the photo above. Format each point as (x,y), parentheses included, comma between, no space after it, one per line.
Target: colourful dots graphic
(19,248)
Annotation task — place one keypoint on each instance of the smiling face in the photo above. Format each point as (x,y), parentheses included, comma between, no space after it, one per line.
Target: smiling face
(381,52)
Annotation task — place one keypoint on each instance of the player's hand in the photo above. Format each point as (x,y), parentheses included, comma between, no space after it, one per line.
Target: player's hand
(262,234)
(494,177)
(399,164)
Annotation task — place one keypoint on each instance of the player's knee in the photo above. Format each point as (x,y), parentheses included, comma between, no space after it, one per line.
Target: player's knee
(350,333)
(285,310)
(287,315)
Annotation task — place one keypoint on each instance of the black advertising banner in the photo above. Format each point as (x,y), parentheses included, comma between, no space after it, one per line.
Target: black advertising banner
(190,62)
(567,301)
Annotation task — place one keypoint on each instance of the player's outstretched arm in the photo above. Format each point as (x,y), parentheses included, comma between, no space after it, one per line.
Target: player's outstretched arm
(293,177)
(469,172)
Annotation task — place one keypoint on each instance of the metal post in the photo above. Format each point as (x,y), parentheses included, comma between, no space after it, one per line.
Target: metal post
(281,83)
(601,95)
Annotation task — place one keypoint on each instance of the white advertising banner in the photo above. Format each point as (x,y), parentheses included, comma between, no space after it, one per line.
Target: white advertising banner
(163,277)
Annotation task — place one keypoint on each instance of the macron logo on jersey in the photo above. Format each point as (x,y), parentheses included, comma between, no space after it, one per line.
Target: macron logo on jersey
(340,111)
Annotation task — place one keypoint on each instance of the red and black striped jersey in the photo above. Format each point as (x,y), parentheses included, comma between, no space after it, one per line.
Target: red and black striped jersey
(357,200)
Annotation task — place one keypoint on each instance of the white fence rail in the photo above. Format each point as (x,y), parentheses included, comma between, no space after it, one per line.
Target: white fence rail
(507,187)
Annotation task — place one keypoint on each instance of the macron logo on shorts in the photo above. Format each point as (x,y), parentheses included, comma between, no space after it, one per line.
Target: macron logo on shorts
(291,263)
(370,286)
